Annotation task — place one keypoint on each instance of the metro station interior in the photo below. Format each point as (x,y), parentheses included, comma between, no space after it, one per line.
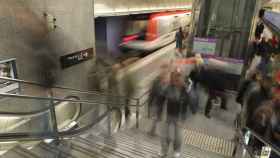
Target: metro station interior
(140,79)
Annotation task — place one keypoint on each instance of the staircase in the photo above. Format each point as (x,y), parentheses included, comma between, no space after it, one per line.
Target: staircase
(130,143)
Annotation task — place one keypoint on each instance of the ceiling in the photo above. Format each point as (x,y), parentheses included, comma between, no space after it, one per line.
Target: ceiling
(125,7)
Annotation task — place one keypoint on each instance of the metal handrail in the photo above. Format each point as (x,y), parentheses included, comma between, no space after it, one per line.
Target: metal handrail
(28,136)
(36,112)
(64,134)
(265,141)
(66,88)
(56,99)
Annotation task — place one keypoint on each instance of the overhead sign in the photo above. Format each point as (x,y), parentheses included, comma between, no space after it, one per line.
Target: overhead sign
(204,46)
(76,58)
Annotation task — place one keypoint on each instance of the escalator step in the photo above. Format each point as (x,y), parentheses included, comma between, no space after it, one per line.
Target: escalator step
(134,141)
(144,143)
(102,150)
(71,150)
(19,152)
(191,137)
(46,151)
(123,146)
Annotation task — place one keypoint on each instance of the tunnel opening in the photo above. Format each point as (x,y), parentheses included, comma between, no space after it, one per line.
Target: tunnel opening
(127,39)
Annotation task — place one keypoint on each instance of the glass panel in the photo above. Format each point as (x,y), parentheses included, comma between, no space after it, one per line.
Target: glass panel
(90,115)
(115,99)
(24,115)
(136,27)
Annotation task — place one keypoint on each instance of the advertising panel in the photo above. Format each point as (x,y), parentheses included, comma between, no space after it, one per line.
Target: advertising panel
(204,46)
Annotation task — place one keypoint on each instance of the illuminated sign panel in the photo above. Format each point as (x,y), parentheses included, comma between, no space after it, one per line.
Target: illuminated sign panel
(205,46)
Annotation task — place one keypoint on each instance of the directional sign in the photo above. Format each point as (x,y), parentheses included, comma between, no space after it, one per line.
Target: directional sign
(76,58)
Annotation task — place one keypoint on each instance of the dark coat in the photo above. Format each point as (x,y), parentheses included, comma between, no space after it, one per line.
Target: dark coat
(256,95)
(156,97)
(179,101)
(215,80)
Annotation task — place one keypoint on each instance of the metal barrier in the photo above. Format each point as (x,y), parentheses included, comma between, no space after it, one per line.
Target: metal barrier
(244,139)
(55,134)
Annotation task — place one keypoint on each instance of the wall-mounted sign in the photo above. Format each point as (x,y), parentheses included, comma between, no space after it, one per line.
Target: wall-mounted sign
(76,58)
(8,70)
(204,45)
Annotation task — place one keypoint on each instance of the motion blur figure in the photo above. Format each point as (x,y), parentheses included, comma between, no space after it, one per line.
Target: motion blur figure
(214,81)
(260,124)
(156,98)
(179,40)
(275,121)
(176,99)
(258,92)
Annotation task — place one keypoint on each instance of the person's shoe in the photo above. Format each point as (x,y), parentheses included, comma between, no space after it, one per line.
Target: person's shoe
(162,155)
(208,116)
(177,155)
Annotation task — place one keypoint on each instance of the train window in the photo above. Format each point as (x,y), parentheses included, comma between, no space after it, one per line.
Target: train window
(136,27)
(165,25)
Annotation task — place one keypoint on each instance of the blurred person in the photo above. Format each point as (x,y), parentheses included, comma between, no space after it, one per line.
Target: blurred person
(179,40)
(114,88)
(260,26)
(259,92)
(262,62)
(214,82)
(260,122)
(129,91)
(176,101)
(275,125)
(192,95)
(156,97)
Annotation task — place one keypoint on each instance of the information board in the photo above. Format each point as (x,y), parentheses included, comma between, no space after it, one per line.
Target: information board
(204,45)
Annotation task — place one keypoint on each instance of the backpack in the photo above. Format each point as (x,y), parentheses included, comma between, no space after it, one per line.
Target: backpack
(259,30)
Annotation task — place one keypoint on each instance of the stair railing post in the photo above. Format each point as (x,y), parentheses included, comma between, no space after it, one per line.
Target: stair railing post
(137,112)
(109,117)
(53,116)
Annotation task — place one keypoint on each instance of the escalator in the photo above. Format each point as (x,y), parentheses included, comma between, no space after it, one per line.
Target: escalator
(24,114)
(127,144)
(86,139)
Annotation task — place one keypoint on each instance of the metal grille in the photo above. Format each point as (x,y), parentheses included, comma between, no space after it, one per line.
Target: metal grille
(209,143)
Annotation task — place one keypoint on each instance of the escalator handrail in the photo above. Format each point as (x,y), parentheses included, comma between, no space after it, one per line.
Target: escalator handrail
(37,112)
(28,136)
(66,88)
(57,99)
(242,142)
(265,141)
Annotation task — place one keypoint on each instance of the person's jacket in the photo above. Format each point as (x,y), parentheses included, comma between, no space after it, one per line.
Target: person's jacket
(192,95)
(178,101)
(156,97)
(256,95)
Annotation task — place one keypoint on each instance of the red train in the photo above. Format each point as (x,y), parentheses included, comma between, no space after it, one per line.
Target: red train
(154,32)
